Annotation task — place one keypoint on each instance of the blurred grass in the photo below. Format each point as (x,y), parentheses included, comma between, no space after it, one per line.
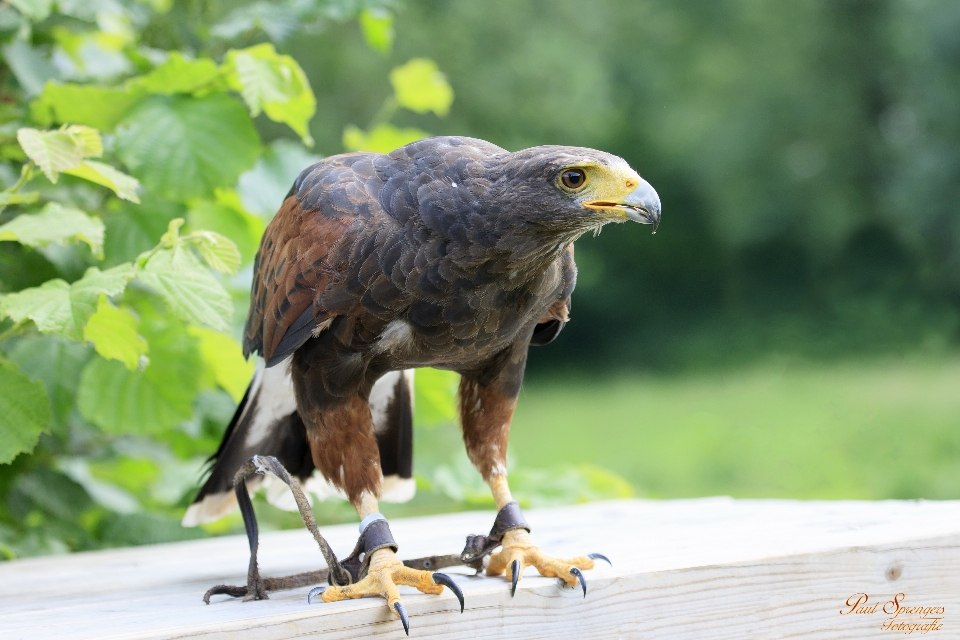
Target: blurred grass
(868,429)
(856,430)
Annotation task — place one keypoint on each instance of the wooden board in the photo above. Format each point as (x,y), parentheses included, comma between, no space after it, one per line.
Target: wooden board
(707,568)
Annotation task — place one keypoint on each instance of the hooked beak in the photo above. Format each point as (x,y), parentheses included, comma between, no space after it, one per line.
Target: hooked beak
(643,205)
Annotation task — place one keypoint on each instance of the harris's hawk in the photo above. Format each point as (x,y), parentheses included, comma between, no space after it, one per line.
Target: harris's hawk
(449,252)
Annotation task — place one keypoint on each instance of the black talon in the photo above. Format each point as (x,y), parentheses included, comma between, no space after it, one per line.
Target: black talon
(516,576)
(314,592)
(398,606)
(583,581)
(600,556)
(444,579)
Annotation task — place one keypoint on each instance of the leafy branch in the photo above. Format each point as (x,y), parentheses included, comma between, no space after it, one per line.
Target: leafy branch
(121,269)
(418,86)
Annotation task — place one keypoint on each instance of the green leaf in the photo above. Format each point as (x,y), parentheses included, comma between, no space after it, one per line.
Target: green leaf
(105,494)
(36,10)
(226,216)
(24,412)
(377,27)
(274,84)
(52,151)
(277,20)
(150,401)
(384,138)
(30,68)
(64,148)
(47,305)
(57,362)
(103,174)
(223,361)
(420,86)
(113,333)
(87,139)
(98,107)
(9,197)
(55,224)
(133,474)
(180,75)
(52,492)
(436,397)
(217,251)
(85,292)
(187,288)
(61,308)
(184,148)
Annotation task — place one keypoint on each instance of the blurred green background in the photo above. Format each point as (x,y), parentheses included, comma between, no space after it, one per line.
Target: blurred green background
(791,330)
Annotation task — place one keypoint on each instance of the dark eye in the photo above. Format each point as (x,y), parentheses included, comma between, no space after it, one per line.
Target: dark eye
(573,178)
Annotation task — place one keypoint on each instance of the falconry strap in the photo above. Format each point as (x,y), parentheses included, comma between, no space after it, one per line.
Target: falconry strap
(374,536)
(479,547)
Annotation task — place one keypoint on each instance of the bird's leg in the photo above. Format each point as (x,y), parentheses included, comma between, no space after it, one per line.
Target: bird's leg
(518,550)
(257,587)
(344,449)
(379,570)
(486,409)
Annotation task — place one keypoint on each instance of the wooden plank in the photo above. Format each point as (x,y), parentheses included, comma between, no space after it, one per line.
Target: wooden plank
(707,568)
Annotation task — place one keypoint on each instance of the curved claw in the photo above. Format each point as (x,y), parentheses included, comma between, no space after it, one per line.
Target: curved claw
(444,579)
(515,570)
(398,606)
(600,556)
(583,581)
(314,592)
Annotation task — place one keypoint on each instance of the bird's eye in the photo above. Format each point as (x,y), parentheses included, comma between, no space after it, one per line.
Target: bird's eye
(573,178)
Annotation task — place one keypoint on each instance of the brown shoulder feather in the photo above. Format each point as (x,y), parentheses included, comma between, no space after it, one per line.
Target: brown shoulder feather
(290,272)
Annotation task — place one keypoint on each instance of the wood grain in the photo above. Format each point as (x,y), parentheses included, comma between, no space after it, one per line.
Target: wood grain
(706,568)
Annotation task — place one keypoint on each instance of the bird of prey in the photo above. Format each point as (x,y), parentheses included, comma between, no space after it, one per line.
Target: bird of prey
(450,252)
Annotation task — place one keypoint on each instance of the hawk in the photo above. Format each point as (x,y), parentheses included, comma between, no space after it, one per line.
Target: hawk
(450,252)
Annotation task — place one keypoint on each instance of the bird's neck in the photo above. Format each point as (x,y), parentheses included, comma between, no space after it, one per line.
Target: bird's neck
(534,249)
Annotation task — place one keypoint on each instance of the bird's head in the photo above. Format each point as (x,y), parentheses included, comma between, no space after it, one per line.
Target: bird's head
(575,189)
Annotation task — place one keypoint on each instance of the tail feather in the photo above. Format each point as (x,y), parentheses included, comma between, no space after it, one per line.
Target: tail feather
(391,402)
(267,423)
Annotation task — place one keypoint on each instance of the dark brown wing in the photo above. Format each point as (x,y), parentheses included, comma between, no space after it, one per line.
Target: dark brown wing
(358,238)
(294,265)
(289,271)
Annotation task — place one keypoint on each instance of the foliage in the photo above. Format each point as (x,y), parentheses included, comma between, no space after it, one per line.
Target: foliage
(418,86)
(136,186)
(25,410)
(118,349)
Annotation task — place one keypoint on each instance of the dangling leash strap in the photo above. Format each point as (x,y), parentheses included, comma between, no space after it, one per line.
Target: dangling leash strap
(479,547)
(374,534)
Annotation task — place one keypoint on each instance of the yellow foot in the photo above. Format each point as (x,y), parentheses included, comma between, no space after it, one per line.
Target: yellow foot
(383,576)
(518,551)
